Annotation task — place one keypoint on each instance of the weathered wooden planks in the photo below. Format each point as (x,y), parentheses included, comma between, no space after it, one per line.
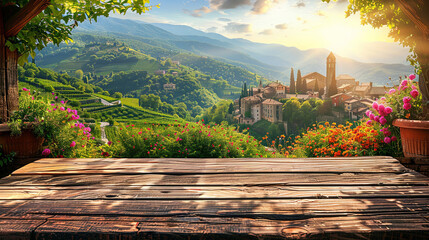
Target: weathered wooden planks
(330,198)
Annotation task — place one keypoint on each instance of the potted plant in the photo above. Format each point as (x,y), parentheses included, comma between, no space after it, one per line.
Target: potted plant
(400,115)
(38,120)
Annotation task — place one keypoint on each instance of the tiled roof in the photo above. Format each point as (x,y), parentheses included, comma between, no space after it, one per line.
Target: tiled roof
(377,90)
(272,102)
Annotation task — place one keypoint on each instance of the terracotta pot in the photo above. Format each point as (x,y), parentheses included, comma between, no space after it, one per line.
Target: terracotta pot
(26,145)
(414,137)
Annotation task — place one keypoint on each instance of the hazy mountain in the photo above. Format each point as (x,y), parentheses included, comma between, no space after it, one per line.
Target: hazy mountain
(271,60)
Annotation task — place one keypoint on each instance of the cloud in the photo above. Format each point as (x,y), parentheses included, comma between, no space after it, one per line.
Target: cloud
(282,26)
(198,12)
(300,4)
(239,27)
(228,4)
(267,32)
(262,6)
(212,29)
(224,19)
(192,13)
(321,13)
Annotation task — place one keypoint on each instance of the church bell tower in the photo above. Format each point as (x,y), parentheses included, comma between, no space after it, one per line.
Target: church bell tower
(330,74)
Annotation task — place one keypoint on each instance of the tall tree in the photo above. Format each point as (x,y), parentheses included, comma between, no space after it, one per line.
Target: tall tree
(316,86)
(27,25)
(299,85)
(408,21)
(304,85)
(292,88)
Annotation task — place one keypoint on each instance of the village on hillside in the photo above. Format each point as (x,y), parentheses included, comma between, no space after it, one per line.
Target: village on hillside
(344,91)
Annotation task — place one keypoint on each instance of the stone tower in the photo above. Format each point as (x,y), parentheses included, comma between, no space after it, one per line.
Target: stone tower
(330,74)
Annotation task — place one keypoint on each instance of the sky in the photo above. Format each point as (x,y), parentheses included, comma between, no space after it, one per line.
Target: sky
(303,24)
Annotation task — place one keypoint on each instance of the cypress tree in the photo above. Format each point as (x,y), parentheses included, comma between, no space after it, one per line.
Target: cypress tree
(304,86)
(245,90)
(316,86)
(292,88)
(332,88)
(299,85)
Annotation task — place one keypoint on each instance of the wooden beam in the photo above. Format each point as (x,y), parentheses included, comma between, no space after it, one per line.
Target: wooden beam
(14,24)
(415,11)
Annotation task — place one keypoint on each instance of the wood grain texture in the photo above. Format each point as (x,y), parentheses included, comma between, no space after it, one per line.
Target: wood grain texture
(330,198)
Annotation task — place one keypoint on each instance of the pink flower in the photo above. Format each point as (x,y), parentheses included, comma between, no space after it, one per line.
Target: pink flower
(407,106)
(392,91)
(371,116)
(109,143)
(368,112)
(387,140)
(377,118)
(62,102)
(413,87)
(412,77)
(388,110)
(406,99)
(25,89)
(414,93)
(62,108)
(381,108)
(393,138)
(72,144)
(404,82)
(375,105)
(46,152)
(53,93)
(382,120)
(368,122)
(56,97)
(52,104)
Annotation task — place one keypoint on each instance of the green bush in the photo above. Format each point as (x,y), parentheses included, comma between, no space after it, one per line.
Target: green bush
(189,140)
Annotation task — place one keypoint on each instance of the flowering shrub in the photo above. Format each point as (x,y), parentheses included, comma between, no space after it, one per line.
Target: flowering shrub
(58,125)
(404,101)
(330,140)
(195,140)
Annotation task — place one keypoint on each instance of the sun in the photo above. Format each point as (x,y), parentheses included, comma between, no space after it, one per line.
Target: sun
(342,39)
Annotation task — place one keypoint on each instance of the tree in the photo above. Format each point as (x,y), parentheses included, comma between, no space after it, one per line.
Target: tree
(117,95)
(27,25)
(408,21)
(299,85)
(304,85)
(78,74)
(316,86)
(332,88)
(231,108)
(292,82)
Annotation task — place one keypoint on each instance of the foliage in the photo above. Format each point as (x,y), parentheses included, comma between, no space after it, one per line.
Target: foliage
(6,159)
(403,102)
(56,22)
(219,113)
(193,140)
(301,115)
(330,140)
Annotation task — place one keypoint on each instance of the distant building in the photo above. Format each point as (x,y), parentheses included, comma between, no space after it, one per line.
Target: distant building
(160,72)
(169,86)
(177,63)
(356,108)
(175,73)
(376,92)
(363,89)
(272,110)
(312,78)
(345,88)
(345,79)
(280,88)
(340,98)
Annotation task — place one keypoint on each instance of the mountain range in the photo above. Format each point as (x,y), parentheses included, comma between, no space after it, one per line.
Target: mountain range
(272,61)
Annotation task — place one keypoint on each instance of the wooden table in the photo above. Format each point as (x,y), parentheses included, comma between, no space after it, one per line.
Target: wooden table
(324,198)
